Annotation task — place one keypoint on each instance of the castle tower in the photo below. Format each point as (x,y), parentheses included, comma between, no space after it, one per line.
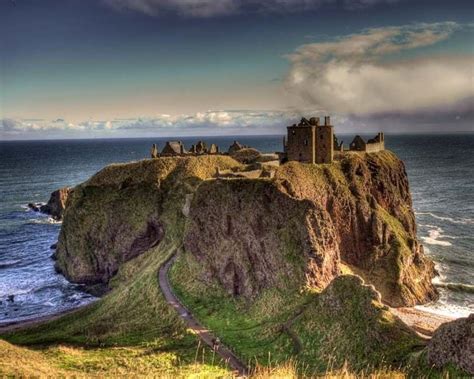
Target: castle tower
(300,143)
(325,142)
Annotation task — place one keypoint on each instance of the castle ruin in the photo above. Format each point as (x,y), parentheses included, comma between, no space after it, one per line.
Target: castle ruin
(176,148)
(306,142)
(311,142)
(371,146)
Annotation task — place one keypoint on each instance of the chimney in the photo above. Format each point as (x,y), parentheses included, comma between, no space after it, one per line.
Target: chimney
(314,121)
(327,121)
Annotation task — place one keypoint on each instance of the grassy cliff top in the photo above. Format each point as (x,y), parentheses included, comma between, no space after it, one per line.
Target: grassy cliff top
(155,170)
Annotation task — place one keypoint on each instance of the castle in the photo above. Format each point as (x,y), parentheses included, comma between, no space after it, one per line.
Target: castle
(307,142)
(311,142)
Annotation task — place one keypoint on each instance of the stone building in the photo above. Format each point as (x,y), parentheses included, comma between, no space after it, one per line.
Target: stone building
(310,142)
(173,148)
(236,146)
(371,146)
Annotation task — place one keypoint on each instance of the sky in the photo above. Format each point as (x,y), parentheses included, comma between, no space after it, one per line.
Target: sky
(138,68)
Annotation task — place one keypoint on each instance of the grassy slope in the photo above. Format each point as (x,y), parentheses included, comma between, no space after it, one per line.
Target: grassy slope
(131,331)
(134,314)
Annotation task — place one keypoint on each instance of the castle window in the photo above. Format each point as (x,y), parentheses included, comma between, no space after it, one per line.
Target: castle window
(306,142)
(321,136)
(293,132)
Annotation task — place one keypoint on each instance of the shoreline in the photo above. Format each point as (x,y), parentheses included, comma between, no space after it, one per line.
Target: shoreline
(31,322)
(422,321)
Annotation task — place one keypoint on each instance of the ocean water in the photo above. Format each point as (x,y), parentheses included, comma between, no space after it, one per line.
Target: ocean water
(440,169)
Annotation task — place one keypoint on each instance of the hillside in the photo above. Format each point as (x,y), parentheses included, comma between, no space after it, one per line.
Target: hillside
(260,262)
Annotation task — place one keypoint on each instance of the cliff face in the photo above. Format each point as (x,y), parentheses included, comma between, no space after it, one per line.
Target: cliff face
(355,214)
(298,230)
(252,236)
(122,211)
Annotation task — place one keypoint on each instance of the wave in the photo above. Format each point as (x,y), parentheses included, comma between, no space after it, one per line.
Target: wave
(464,221)
(48,220)
(9,263)
(434,235)
(434,241)
(457,287)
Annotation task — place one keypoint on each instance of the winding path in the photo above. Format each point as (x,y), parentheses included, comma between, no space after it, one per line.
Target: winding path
(204,334)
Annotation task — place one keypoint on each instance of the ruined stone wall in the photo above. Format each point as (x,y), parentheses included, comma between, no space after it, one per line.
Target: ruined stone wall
(301,144)
(374,147)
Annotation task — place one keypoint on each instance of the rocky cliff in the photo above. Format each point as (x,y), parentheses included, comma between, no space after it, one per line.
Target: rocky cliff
(354,215)
(124,210)
(300,229)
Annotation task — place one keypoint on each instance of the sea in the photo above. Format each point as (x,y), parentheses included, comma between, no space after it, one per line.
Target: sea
(440,170)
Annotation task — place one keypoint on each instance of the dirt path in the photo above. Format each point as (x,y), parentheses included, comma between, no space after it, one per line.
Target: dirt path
(204,334)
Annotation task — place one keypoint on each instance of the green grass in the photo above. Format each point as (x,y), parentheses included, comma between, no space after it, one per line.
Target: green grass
(132,331)
(270,330)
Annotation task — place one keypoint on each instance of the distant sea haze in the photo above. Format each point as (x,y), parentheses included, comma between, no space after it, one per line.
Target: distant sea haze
(440,170)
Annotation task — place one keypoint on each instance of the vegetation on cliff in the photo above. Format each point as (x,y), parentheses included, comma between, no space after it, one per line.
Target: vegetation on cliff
(257,263)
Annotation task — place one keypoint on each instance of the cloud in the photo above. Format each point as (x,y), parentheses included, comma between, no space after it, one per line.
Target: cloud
(212,8)
(360,74)
(211,122)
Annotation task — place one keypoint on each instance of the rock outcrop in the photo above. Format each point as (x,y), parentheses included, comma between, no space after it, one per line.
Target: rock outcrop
(453,343)
(251,236)
(118,214)
(300,228)
(56,204)
(356,213)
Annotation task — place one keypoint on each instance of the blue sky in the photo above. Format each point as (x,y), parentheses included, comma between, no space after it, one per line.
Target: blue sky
(121,68)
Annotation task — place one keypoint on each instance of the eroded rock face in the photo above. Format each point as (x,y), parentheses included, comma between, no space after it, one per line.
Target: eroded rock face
(357,212)
(251,236)
(453,343)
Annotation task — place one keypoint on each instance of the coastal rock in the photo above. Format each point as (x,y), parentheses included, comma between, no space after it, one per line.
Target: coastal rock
(453,342)
(57,203)
(354,214)
(34,207)
(117,214)
(301,228)
(250,237)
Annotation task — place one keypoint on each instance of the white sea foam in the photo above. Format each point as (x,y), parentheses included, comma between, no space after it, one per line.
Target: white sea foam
(434,236)
(48,220)
(443,309)
(464,221)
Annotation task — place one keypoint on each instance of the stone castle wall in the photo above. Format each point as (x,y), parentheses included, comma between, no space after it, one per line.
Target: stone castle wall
(301,144)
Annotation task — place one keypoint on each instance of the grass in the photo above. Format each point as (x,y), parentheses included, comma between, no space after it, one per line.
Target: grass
(286,331)
(273,330)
